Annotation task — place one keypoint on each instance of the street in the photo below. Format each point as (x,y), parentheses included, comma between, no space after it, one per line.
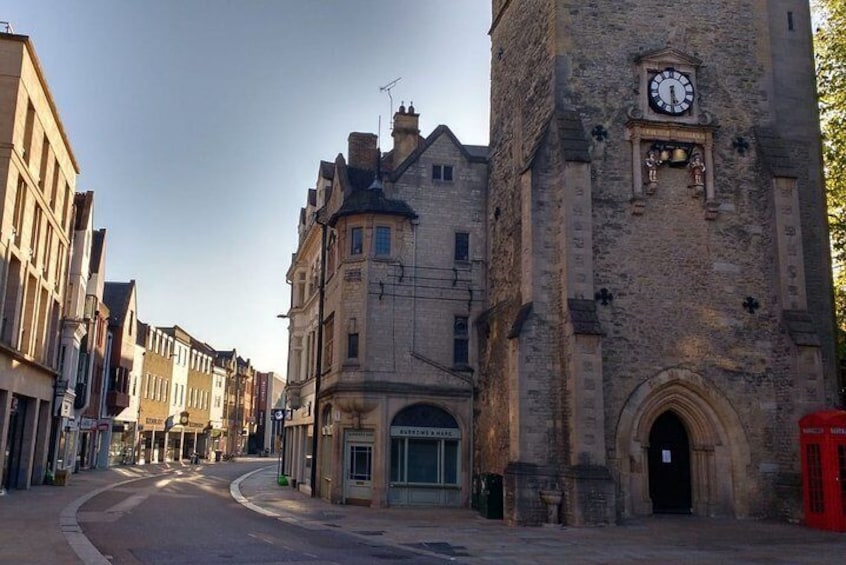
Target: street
(189,517)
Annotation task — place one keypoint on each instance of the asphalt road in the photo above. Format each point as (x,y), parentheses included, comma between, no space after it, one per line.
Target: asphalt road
(190,517)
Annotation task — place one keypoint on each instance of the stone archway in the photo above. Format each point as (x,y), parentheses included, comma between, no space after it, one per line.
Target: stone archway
(719,450)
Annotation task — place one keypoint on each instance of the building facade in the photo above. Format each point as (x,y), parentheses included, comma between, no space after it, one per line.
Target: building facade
(37,182)
(388,274)
(660,299)
(121,298)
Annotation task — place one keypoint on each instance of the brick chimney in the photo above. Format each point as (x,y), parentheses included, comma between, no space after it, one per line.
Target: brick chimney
(406,133)
(362,151)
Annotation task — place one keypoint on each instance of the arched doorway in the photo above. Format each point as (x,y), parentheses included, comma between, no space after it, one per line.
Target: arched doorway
(718,450)
(669,466)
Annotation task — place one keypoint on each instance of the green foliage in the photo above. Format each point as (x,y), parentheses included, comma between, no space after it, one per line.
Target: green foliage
(830,48)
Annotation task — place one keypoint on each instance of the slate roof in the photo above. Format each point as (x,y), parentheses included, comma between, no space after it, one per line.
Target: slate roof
(478,151)
(116,297)
(365,201)
(98,241)
(359,198)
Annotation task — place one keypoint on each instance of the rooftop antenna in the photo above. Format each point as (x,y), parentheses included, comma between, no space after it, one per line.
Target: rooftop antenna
(7,26)
(387,88)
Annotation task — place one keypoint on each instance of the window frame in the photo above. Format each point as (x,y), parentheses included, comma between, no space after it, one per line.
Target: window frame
(379,240)
(356,237)
(465,244)
(461,338)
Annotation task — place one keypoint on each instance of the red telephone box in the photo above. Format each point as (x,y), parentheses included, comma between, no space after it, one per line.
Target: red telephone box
(823,449)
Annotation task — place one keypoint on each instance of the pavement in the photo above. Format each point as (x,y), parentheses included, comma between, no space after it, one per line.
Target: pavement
(40,526)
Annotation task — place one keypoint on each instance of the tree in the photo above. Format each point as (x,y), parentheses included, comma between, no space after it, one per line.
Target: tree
(830,48)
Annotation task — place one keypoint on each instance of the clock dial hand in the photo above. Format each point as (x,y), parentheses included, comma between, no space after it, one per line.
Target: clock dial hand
(673,99)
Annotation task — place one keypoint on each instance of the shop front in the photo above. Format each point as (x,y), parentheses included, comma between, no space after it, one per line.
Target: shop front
(425,454)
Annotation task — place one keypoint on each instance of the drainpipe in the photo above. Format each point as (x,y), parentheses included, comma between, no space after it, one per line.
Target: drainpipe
(315,414)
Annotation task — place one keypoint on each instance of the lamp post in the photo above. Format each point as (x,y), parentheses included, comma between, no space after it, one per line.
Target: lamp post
(315,414)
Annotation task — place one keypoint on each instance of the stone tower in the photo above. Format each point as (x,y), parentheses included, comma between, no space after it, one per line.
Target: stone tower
(659,283)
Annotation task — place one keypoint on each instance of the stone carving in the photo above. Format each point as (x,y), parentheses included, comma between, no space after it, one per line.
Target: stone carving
(652,162)
(696,165)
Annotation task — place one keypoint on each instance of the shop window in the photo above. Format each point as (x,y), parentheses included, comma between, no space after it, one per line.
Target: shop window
(424,447)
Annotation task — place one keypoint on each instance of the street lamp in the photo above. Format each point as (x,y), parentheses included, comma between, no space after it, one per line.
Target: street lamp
(315,414)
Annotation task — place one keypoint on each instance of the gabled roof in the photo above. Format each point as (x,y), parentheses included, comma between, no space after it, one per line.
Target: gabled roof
(474,156)
(98,243)
(116,296)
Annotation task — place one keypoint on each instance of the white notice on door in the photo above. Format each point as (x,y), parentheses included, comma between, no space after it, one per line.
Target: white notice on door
(665,456)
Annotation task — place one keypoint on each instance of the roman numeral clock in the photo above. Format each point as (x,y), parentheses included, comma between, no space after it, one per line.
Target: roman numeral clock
(670,92)
(669,132)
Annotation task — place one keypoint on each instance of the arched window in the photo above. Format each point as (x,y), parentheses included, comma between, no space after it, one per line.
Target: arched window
(424,447)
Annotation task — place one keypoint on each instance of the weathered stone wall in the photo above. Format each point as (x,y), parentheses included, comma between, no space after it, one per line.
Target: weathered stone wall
(678,280)
(522,66)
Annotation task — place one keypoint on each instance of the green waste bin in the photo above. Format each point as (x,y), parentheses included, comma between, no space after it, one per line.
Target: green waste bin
(490,496)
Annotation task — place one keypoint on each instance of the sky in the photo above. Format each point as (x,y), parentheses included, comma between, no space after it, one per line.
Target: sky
(200,124)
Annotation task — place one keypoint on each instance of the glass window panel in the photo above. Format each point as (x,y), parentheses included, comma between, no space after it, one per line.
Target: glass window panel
(360,459)
(462,246)
(356,241)
(422,461)
(383,240)
(451,462)
(398,460)
(815,478)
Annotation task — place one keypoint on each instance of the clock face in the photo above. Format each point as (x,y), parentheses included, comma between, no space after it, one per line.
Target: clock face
(670,92)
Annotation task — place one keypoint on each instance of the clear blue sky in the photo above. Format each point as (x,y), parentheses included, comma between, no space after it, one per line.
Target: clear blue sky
(199,125)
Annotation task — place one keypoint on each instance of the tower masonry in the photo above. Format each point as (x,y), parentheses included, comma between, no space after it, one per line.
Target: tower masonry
(659,282)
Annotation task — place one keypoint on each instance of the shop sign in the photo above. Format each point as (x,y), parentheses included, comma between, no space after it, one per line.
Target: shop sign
(65,407)
(359,435)
(435,433)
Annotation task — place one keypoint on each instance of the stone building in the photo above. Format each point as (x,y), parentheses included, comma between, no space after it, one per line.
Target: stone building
(37,182)
(388,274)
(659,280)
(154,395)
(238,404)
(121,299)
